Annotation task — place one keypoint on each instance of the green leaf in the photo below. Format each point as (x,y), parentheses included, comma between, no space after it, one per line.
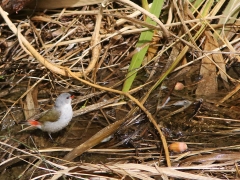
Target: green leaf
(145,38)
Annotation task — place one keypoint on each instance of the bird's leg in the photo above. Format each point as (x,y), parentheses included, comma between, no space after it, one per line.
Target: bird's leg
(49,134)
(53,141)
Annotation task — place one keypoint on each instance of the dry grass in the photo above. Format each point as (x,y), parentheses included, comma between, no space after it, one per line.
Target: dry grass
(86,51)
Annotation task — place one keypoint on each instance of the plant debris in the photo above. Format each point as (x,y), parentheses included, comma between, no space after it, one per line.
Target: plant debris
(86,50)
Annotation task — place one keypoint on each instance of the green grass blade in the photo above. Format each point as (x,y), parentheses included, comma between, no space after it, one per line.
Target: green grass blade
(145,37)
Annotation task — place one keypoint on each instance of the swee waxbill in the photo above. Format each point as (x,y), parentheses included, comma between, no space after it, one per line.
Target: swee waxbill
(55,119)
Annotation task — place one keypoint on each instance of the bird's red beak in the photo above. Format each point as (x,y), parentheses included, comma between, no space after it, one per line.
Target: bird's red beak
(72,96)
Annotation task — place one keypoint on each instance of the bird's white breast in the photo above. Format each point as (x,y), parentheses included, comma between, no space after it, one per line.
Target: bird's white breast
(62,122)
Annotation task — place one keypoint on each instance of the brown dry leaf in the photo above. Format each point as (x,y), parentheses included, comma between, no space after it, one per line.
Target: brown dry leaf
(45,19)
(209,84)
(31,103)
(152,50)
(58,32)
(51,4)
(218,58)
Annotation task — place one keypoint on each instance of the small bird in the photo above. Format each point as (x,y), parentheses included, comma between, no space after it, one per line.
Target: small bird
(55,119)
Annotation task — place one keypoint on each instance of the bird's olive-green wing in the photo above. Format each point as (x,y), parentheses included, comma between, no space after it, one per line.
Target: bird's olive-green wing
(51,115)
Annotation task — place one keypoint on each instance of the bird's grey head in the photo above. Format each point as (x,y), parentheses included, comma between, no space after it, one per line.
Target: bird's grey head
(62,99)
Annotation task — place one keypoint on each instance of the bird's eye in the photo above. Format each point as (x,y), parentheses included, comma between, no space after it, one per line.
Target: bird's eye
(67,97)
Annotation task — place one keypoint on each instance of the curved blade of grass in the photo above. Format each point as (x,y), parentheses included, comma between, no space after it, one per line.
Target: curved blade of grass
(204,13)
(145,5)
(145,38)
(231,10)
